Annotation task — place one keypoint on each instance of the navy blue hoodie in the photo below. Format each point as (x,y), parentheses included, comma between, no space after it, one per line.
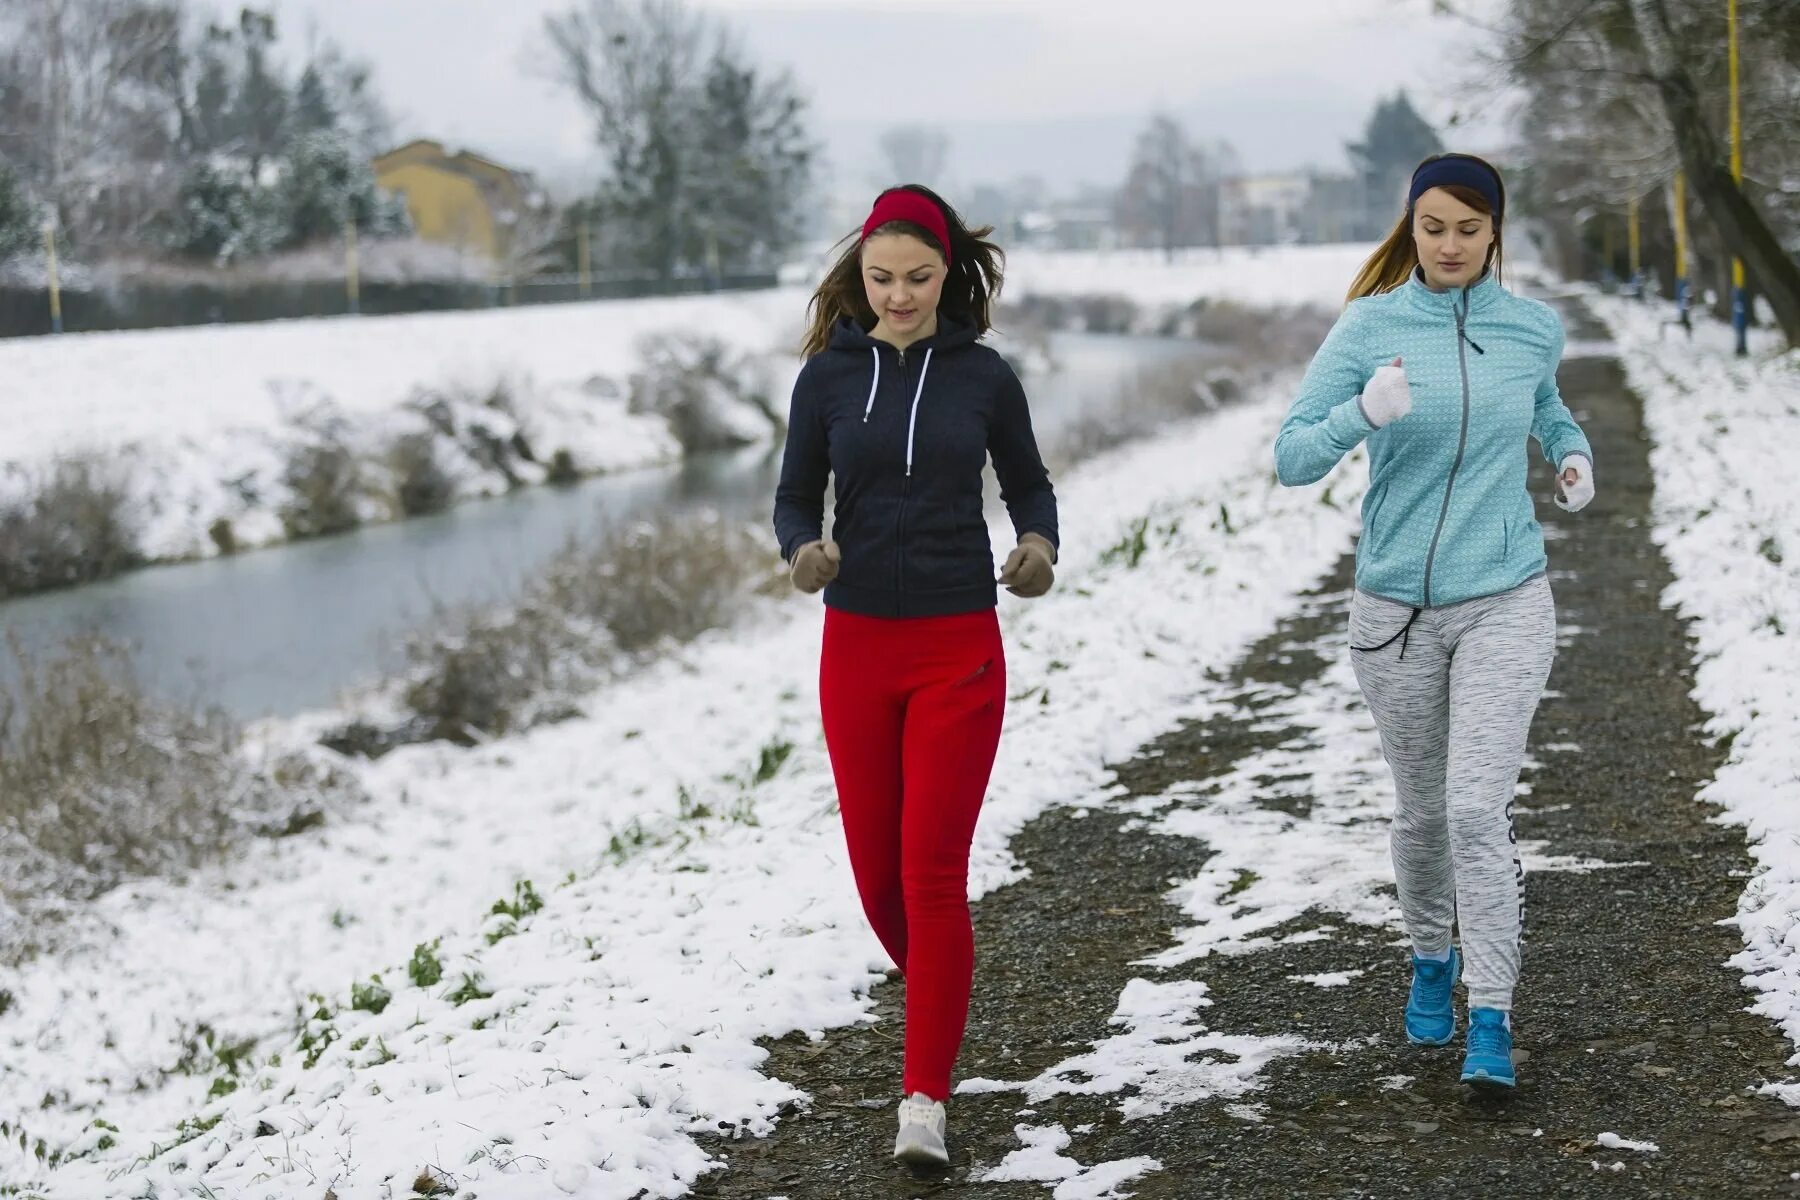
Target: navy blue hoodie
(906,434)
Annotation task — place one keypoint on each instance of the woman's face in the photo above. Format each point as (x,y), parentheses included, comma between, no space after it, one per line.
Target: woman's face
(1452,238)
(903,278)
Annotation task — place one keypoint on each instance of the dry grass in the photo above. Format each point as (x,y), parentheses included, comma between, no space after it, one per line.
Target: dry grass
(420,483)
(73,527)
(594,609)
(100,781)
(326,486)
(691,381)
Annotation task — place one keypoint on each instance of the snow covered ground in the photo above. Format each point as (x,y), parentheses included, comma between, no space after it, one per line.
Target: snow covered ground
(1246,274)
(1728,518)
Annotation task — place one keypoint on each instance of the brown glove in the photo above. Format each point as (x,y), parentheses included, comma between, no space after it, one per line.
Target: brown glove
(1028,571)
(815,565)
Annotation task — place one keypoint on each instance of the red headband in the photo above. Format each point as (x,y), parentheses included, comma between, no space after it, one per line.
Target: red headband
(902,205)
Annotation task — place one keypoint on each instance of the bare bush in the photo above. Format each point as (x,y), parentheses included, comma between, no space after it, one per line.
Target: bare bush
(421,485)
(73,527)
(101,781)
(712,398)
(595,607)
(325,489)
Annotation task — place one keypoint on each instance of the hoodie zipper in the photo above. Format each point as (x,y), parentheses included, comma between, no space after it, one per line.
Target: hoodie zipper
(900,517)
(1462,440)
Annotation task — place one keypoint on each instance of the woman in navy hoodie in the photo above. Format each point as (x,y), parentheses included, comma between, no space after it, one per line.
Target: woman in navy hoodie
(901,406)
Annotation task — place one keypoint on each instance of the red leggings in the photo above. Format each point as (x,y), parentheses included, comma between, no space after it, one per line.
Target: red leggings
(912,713)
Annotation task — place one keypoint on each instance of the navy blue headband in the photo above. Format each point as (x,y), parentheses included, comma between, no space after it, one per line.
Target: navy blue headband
(1456,169)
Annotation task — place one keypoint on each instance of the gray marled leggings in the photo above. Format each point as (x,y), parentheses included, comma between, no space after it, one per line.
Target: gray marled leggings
(1454,713)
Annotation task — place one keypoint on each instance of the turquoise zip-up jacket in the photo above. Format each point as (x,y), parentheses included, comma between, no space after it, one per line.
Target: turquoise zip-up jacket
(1447,516)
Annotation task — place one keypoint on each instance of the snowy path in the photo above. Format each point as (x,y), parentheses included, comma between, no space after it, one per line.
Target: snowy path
(1255,1051)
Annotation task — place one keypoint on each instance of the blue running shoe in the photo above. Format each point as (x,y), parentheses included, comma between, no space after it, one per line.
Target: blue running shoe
(1488,1062)
(1430,1018)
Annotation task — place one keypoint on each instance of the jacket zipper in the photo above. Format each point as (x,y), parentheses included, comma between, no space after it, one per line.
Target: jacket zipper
(1462,440)
(900,517)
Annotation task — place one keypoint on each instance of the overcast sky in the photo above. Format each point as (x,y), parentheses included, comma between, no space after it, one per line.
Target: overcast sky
(1054,88)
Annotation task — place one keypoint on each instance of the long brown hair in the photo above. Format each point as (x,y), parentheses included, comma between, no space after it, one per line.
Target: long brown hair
(1397,258)
(977,270)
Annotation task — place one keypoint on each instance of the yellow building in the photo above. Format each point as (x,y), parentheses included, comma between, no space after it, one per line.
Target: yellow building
(461,200)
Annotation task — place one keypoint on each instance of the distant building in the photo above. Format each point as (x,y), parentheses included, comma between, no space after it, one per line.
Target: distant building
(1263,210)
(461,200)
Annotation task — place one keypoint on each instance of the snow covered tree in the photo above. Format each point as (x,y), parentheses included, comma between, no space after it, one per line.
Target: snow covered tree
(259,120)
(313,109)
(19,218)
(86,112)
(222,215)
(325,185)
(705,157)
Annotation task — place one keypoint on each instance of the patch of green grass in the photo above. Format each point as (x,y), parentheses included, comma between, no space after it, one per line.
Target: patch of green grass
(770,760)
(425,970)
(469,989)
(1244,881)
(370,997)
(1130,548)
(525,902)
(690,809)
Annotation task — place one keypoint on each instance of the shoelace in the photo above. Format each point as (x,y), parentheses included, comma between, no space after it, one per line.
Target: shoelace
(919,1112)
(1434,979)
(1487,1039)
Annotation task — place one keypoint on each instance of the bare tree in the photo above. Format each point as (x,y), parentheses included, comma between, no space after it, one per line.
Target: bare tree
(1623,93)
(705,154)
(1743,228)
(86,109)
(1172,195)
(914,154)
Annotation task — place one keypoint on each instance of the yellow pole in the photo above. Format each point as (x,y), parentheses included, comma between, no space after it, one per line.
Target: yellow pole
(1632,218)
(585,252)
(1681,244)
(56,320)
(1740,313)
(1681,230)
(352,271)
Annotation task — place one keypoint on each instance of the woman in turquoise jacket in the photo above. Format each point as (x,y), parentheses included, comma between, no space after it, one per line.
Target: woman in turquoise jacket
(1446,375)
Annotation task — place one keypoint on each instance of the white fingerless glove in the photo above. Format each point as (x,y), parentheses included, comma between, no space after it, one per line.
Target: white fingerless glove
(1573,497)
(1386,397)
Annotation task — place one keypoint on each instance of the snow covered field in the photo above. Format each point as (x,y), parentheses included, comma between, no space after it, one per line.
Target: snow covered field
(205,420)
(1728,518)
(1246,274)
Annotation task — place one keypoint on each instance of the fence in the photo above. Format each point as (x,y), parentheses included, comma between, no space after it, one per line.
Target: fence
(25,312)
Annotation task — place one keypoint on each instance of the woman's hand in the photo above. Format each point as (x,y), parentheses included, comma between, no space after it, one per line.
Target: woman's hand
(1028,571)
(815,565)
(1574,484)
(1387,396)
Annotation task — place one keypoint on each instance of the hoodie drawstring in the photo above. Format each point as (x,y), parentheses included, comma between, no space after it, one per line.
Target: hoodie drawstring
(913,423)
(873,384)
(1403,637)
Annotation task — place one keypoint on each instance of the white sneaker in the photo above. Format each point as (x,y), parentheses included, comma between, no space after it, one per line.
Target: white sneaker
(921,1140)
